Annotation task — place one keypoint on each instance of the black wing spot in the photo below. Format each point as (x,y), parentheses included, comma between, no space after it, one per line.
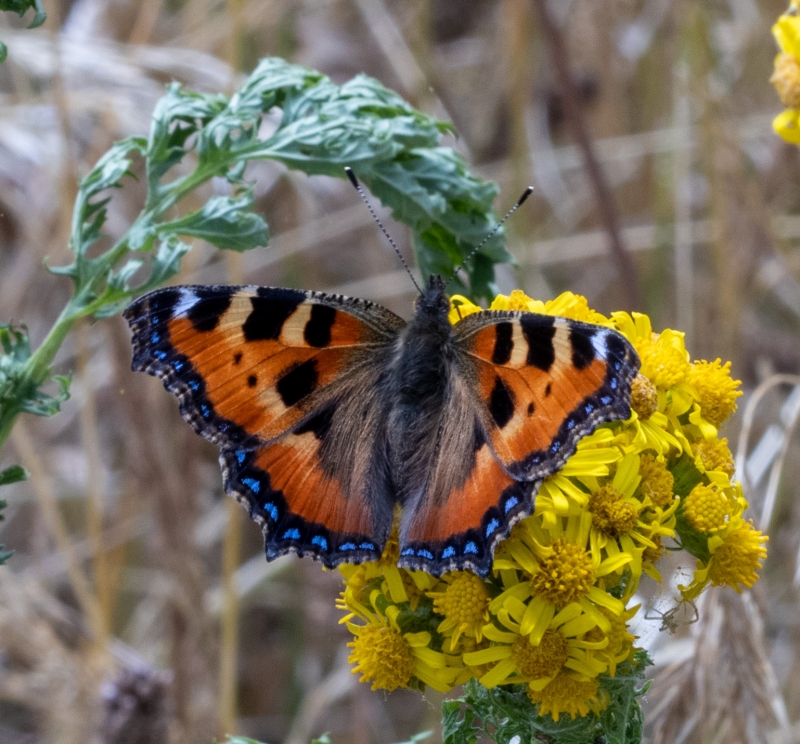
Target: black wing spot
(206,313)
(539,334)
(319,424)
(531,409)
(298,382)
(501,403)
(582,348)
(252,380)
(271,309)
(317,332)
(237,357)
(548,390)
(503,343)
(616,346)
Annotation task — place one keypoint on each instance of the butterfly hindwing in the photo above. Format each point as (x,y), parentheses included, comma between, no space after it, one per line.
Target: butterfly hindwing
(276,377)
(545,382)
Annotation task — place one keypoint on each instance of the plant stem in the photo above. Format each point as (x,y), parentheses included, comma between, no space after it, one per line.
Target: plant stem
(577,121)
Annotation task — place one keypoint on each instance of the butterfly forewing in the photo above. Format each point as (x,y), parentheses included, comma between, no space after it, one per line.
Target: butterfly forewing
(544,383)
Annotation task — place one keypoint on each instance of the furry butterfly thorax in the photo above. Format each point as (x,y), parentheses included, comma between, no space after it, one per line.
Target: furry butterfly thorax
(329,411)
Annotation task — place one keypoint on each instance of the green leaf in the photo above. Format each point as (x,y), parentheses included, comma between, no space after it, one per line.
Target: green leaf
(18,393)
(14,474)
(177,117)
(20,7)
(225,222)
(506,712)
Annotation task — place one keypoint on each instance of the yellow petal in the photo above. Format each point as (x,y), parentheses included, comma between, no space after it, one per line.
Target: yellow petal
(498,674)
(417,640)
(487,655)
(598,596)
(493,633)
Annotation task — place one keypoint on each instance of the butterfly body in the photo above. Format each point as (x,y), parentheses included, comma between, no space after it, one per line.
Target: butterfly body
(330,411)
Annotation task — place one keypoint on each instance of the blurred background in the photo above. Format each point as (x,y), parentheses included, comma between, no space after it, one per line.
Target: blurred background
(205,637)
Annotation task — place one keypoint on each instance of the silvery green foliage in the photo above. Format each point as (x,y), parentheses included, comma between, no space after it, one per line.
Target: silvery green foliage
(21,7)
(504,714)
(321,128)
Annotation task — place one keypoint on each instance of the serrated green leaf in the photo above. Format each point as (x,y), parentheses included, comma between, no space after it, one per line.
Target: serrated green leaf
(20,7)
(14,474)
(177,116)
(225,222)
(40,403)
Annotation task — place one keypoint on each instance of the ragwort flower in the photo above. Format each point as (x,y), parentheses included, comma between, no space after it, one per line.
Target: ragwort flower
(786,75)
(553,613)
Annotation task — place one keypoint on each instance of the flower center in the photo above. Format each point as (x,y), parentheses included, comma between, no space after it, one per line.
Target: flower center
(651,555)
(465,601)
(663,363)
(716,388)
(611,514)
(382,656)
(657,481)
(786,79)
(565,576)
(544,660)
(738,558)
(565,694)
(706,508)
(644,397)
(715,455)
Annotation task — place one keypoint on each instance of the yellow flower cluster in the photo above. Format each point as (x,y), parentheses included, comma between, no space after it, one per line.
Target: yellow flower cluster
(786,75)
(553,613)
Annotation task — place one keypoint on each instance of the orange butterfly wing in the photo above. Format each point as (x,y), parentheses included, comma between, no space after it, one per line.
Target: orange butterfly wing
(536,385)
(545,382)
(268,374)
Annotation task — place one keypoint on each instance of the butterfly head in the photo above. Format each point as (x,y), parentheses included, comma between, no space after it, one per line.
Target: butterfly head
(433,301)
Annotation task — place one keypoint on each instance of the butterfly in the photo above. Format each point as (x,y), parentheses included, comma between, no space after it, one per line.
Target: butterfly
(331,412)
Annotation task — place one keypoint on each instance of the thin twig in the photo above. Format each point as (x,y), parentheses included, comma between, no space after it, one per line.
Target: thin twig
(45,496)
(95,481)
(577,121)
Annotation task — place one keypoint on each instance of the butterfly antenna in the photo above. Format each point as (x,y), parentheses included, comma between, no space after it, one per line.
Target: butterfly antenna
(357,187)
(493,231)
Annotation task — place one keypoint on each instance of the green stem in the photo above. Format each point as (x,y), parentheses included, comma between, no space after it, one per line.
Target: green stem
(37,368)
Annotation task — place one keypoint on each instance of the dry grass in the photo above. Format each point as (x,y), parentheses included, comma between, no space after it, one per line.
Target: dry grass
(127,557)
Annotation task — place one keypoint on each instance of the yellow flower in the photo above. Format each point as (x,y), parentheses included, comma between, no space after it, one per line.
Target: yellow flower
(620,641)
(786,79)
(786,76)
(568,694)
(644,397)
(463,600)
(736,555)
(707,508)
(554,570)
(389,658)
(514,656)
(612,514)
(623,520)
(657,482)
(716,390)
(713,455)
(736,560)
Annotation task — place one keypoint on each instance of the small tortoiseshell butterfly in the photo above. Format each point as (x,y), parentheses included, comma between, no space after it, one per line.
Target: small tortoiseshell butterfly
(331,410)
